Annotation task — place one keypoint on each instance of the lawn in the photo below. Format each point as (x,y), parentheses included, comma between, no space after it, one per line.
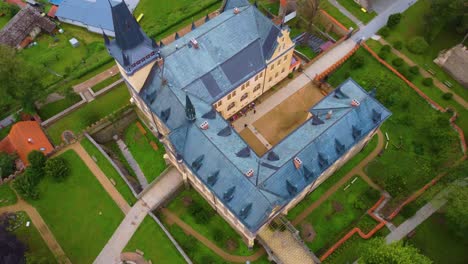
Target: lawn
(339,213)
(152,240)
(4,131)
(37,249)
(7,195)
(80,213)
(422,143)
(435,240)
(49,110)
(334,12)
(355,9)
(149,159)
(307,51)
(411,25)
(271,6)
(109,171)
(89,113)
(106,83)
(322,188)
(4,20)
(214,228)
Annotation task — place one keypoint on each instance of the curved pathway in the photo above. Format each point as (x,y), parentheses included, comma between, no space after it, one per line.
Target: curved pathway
(358,170)
(223,254)
(41,226)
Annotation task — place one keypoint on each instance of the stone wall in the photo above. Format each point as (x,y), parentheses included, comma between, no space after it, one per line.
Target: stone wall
(105,131)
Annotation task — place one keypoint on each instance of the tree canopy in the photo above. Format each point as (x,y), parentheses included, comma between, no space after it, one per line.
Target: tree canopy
(376,251)
(457,214)
(443,13)
(57,168)
(7,164)
(20,82)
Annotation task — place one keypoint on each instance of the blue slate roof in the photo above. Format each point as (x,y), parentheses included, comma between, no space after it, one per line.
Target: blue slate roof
(249,185)
(55,2)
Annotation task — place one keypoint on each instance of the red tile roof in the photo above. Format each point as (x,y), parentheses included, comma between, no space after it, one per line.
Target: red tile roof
(24,137)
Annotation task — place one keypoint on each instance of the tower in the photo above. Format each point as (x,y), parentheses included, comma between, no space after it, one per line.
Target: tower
(134,52)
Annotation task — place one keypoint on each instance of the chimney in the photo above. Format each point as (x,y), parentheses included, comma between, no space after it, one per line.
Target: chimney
(249,173)
(236,10)
(329,114)
(355,103)
(194,43)
(30,141)
(204,125)
(297,162)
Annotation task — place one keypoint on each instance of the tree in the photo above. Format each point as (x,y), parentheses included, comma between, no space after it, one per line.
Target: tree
(447,96)
(357,61)
(57,168)
(443,13)
(428,81)
(7,164)
(376,251)
(20,83)
(37,159)
(384,31)
(417,45)
(393,20)
(26,184)
(308,9)
(457,214)
(398,45)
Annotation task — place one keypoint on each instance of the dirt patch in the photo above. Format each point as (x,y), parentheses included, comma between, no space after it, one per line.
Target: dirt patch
(253,141)
(307,232)
(187,201)
(287,116)
(231,244)
(337,207)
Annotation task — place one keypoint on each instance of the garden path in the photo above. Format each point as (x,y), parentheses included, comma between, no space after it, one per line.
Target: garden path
(426,74)
(40,225)
(359,170)
(220,252)
(100,176)
(133,163)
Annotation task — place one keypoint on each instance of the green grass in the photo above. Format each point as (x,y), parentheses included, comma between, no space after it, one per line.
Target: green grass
(307,51)
(331,223)
(5,131)
(37,249)
(150,161)
(114,148)
(216,229)
(49,110)
(7,195)
(156,246)
(106,83)
(334,12)
(317,193)
(3,21)
(435,240)
(428,143)
(109,171)
(90,113)
(411,25)
(79,212)
(271,6)
(355,9)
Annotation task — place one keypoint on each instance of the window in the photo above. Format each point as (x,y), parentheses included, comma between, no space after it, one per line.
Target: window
(285,57)
(233,93)
(282,70)
(244,96)
(261,74)
(284,46)
(269,79)
(243,87)
(257,88)
(272,67)
(248,83)
(279,61)
(231,106)
(220,103)
(256,77)
(229,97)
(276,75)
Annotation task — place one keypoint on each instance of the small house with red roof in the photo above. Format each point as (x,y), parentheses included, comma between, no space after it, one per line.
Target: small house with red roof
(24,137)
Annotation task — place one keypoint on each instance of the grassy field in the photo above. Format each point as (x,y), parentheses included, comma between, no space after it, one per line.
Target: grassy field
(37,249)
(157,247)
(334,12)
(339,213)
(110,172)
(215,229)
(7,195)
(49,110)
(332,179)
(413,156)
(411,25)
(3,21)
(151,161)
(355,9)
(435,240)
(106,83)
(78,211)
(90,113)
(306,50)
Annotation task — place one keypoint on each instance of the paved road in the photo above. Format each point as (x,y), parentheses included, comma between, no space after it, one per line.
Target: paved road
(380,20)
(162,189)
(133,163)
(346,13)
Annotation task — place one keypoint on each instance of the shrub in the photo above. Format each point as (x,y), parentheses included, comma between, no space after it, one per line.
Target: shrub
(386,48)
(414,70)
(383,55)
(7,164)
(393,20)
(428,81)
(398,45)
(447,96)
(290,75)
(57,168)
(397,62)
(37,159)
(357,62)
(26,184)
(417,45)
(384,32)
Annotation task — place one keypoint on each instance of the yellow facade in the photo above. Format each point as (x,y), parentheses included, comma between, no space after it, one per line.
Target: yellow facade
(137,80)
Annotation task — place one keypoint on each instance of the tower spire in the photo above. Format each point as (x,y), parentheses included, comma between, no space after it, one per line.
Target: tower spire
(189,109)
